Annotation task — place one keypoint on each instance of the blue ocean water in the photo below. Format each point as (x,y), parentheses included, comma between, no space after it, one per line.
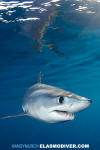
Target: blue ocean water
(61,39)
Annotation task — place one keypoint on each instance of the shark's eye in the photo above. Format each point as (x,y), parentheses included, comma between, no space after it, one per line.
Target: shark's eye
(61,99)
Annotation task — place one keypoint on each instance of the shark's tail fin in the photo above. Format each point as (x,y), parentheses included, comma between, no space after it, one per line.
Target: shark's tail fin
(13,116)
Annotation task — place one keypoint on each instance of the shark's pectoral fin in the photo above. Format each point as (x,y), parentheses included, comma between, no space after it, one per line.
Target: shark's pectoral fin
(13,116)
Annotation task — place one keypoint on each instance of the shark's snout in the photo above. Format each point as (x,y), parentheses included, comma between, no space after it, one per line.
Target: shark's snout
(78,105)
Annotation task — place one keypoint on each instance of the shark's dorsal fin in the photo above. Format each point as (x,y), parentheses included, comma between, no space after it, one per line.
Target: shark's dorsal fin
(40,77)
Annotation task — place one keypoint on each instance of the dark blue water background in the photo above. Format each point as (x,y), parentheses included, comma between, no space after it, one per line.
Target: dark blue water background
(68,54)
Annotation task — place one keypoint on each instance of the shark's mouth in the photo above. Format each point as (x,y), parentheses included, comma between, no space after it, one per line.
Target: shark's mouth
(67,115)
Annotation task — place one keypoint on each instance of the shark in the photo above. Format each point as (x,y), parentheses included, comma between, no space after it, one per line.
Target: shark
(51,104)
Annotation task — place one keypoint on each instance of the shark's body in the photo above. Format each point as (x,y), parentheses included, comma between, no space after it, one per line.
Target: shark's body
(51,104)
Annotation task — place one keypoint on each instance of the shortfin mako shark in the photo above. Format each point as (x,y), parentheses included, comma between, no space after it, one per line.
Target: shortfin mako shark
(51,104)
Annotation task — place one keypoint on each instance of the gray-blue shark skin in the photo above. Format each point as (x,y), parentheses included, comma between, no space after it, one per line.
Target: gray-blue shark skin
(51,104)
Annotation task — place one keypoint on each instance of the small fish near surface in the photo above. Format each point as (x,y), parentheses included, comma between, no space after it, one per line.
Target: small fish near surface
(51,104)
